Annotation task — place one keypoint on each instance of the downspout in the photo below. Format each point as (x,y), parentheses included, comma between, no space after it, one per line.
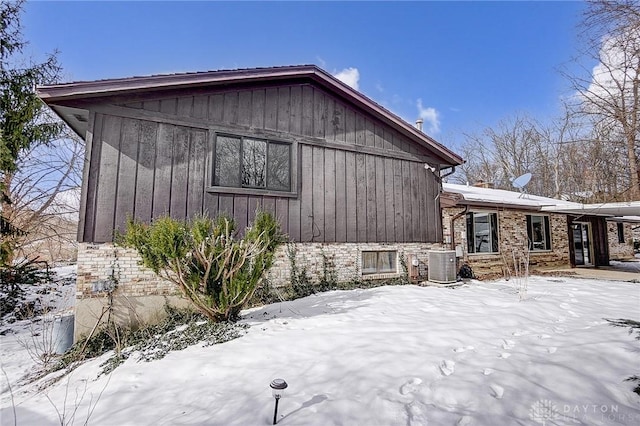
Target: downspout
(452,223)
(436,205)
(437,197)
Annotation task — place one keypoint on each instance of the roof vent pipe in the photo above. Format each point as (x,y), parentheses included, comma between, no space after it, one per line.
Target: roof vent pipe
(419,122)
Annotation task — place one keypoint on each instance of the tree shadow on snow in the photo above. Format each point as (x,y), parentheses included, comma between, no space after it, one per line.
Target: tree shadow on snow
(332,302)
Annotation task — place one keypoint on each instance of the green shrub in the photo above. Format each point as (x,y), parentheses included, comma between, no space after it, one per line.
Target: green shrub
(13,278)
(216,271)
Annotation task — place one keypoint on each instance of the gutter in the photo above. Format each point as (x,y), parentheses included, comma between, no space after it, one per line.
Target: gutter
(452,171)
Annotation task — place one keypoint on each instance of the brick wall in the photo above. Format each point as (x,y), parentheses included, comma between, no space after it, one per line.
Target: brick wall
(345,258)
(512,236)
(619,250)
(141,296)
(100,264)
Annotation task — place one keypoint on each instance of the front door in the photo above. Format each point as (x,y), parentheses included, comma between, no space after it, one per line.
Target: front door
(582,243)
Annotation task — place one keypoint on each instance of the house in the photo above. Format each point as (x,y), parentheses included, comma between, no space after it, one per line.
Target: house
(624,236)
(490,228)
(348,180)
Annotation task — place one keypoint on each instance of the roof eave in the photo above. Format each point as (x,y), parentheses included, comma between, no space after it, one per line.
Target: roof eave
(53,94)
(462,202)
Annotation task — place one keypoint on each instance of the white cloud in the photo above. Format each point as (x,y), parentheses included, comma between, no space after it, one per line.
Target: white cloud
(430,116)
(613,77)
(349,76)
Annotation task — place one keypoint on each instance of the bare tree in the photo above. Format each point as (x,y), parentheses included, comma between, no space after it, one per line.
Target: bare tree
(45,194)
(610,95)
(480,164)
(39,158)
(517,145)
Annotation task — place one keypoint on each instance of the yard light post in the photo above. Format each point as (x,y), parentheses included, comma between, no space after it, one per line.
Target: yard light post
(277,387)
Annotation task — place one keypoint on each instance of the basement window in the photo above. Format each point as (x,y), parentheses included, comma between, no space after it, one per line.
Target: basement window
(482,232)
(379,262)
(538,233)
(244,162)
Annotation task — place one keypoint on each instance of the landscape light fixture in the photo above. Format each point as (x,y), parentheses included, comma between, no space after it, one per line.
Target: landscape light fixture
(277,387)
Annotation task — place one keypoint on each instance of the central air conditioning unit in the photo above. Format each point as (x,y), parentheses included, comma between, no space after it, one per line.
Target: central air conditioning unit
(442,266)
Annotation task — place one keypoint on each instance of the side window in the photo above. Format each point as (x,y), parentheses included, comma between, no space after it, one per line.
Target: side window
(482,232)
(538,233)
(620,232)
(242,162)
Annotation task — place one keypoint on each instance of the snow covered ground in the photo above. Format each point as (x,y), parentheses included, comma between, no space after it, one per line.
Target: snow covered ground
(627,265)
(473,355)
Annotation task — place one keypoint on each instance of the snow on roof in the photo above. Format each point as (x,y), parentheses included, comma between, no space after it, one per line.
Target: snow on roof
(480,195)
(627,208)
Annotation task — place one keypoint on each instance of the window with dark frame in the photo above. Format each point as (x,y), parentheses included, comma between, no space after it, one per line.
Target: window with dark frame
(379,262)
(244,162)
(538,232)
(620,232)
(482,232)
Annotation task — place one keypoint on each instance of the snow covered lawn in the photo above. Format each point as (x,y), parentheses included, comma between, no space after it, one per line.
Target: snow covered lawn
(384,356)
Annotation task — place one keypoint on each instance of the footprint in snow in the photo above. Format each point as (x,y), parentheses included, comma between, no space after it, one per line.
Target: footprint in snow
(519,333)
(488,371)
(558,330)
(417,414)
(447,367)
(552,349)
(462,349)
(508,344)
(411,386)
(544,336)
(561,318)
(464,421)
(504,355)
(497,391)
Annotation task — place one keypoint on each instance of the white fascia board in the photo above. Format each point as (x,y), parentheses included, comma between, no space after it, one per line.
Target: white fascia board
(630,208)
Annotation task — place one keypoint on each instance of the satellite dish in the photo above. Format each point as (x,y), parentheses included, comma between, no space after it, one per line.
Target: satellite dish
(521,181)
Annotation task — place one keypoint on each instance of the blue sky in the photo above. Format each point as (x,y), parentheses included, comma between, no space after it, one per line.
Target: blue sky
(468,63)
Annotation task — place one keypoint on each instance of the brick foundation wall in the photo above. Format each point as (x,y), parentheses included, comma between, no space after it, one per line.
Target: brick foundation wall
(100,264)
(512,236)
(619,250)
(345,258)
(140,295)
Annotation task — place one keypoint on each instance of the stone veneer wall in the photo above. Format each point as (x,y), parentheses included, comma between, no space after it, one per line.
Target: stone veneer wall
(140,295)
(512,236)
(620,250)
(345,258)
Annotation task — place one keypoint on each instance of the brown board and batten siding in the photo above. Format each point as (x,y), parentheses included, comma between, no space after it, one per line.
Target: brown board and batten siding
(355,178)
